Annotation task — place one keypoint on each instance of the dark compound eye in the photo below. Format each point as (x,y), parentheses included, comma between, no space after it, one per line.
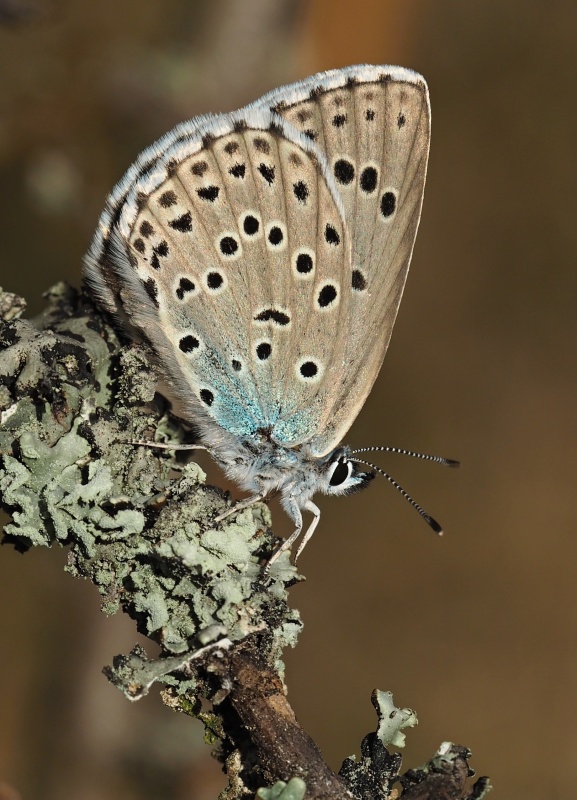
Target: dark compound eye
(341,473)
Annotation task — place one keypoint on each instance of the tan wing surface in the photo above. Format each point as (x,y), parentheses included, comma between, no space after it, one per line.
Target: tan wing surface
(226,248)
(373,124)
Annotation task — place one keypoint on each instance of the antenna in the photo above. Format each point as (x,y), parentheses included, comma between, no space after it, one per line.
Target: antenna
(428,519)
(446,462)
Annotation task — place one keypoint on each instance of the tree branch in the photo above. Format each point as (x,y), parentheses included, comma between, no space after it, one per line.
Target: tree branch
(139,524)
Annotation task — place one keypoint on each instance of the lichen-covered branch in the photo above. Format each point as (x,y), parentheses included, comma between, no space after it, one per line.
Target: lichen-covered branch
(139,524)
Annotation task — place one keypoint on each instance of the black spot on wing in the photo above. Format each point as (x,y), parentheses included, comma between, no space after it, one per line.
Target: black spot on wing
(388,204)
(183,224)
(331,235)
(214,280)
(185,285)
(327,295)
(301,191)
(344,171)
(309,369)
(209,193)
(304,263)
(263,351)
(267,172)
(273,315)
(250,225)
(358,281)
(238,170)
(188,344)
(228,245)
(167,199)
(146,229)
(199,168)
(369,178)
(261,145)
(275,235)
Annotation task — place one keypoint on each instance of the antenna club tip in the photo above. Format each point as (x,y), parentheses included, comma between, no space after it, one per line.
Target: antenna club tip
(435,525)
(452,463)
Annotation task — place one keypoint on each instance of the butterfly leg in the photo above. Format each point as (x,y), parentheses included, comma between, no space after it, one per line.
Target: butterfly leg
(241,505)
(167,445)
(311,528)
(295,513)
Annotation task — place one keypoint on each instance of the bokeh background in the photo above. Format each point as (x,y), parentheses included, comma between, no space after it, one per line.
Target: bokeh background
(477,631)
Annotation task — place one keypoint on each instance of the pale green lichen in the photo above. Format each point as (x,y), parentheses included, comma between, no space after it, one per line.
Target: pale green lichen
(374,773)
(137,521)
(295,789)
(392,719)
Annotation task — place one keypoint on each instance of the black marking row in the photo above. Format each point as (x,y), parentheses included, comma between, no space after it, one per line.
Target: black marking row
(215,280)
(344,172)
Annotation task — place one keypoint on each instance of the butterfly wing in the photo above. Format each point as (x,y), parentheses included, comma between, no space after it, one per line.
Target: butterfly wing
(373,125)
(225,247)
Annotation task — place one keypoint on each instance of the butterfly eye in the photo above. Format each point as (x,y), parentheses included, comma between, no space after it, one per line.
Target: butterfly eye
(341,472)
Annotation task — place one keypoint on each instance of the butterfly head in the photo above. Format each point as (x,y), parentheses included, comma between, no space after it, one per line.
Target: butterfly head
(342,474)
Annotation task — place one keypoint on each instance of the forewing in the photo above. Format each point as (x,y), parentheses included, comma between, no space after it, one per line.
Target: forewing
(373,124)
(225,247)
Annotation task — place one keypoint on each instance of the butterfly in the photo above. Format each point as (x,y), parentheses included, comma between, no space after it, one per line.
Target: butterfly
(262,256)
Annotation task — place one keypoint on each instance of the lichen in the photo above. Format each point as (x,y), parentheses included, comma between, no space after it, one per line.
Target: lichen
(138,522)
(295,789)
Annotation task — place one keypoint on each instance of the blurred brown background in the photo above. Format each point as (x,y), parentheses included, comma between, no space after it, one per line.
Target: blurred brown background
(477,631)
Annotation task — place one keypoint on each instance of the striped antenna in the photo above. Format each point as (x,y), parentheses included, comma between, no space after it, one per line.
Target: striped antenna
(428,519)
(446,462)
